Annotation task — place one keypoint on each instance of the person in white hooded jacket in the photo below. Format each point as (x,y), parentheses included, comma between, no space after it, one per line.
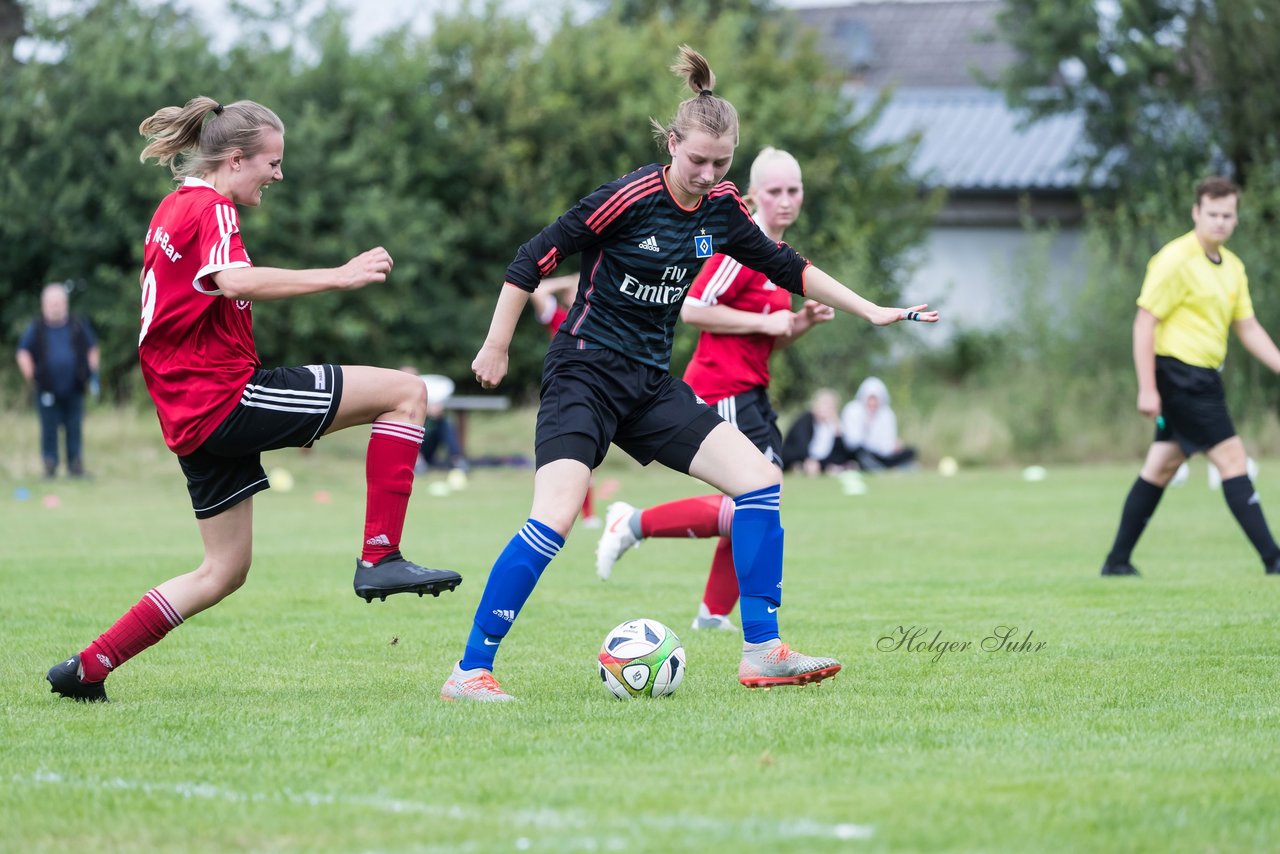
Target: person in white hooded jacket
(870,429)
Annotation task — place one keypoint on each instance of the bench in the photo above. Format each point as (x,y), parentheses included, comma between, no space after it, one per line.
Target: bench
(461,404)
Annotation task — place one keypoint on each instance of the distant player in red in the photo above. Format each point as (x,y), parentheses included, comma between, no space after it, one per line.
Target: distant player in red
(550,304)
(744,319)
(218,408)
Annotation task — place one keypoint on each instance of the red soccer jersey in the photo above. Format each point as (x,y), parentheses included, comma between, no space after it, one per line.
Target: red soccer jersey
(728,365)
(558,317)
(196,346)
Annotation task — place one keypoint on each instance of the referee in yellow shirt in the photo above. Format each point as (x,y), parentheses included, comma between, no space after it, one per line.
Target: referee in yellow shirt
(1195,291)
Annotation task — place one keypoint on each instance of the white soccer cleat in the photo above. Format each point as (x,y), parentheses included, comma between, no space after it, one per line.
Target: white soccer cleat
(708,620)
(615,539)
(476,685)
(779,665)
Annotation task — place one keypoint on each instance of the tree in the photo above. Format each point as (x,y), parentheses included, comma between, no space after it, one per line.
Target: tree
(1165,86)
(12,25)
(640,11)
(74,201)
(450,150)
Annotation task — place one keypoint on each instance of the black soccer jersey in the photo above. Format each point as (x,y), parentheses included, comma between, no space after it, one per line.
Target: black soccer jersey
(640,253)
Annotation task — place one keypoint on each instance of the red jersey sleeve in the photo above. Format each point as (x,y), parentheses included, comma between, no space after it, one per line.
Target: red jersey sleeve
(219,244)
(718,281)
(560,315)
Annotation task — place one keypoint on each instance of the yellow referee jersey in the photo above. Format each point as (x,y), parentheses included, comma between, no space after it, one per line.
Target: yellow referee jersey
(1195,300)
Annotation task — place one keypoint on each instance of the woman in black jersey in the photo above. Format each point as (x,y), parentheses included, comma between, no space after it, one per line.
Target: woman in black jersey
(605,379)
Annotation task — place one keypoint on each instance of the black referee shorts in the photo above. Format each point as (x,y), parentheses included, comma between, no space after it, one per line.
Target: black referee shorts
(593,397)
(1193,405)
(752,413)
(279,408)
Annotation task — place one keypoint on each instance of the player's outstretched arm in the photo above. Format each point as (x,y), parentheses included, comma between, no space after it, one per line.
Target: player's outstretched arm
(726,320)
(490,364)
(826,290)
(810,315)
(258,284)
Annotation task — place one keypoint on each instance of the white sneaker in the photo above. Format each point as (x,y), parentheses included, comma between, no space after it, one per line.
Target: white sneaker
(708,620)
(615,539)
(779,665)
(477,685)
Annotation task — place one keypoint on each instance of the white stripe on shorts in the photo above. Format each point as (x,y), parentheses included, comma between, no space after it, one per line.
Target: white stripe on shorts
(728,410)
(286,400)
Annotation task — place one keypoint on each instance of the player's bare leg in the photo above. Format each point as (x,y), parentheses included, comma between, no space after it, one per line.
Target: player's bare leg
(228,552)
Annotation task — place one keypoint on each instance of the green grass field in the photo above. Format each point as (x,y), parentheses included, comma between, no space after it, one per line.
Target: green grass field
(294,717)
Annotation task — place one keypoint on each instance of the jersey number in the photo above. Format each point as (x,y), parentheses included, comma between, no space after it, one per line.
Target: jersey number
(148,303)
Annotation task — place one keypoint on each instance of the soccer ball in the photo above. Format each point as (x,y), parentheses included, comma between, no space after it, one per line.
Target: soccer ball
(641,658)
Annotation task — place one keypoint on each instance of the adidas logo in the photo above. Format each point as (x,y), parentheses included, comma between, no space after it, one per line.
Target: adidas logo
(380,540)
(506,614)
(651,244)
(104,661)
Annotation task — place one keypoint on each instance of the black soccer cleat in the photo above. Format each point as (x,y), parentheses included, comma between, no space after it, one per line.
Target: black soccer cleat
(1274,568)
(1119,569)
(64,677)
(393,574)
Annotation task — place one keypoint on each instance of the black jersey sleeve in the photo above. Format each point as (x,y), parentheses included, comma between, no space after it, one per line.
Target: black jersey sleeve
(752,248)
(584,225)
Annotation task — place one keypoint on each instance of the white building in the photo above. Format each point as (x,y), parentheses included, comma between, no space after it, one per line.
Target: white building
(1000,172)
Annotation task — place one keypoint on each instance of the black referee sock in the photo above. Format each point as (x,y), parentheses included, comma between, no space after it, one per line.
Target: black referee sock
(1247,507)
(1138,509)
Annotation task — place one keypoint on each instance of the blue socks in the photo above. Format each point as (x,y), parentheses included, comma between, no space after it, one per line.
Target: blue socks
(511,580)
(757,555)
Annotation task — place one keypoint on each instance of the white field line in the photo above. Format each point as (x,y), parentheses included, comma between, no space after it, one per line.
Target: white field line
(539,819)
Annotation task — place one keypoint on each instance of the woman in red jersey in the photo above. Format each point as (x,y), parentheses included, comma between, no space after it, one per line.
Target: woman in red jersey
(745,319)
(218,408)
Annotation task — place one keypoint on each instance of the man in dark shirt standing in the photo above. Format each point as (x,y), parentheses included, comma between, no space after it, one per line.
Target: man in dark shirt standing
(58,356)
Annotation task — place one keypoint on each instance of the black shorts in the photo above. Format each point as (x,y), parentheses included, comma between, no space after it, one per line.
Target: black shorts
(752,413)
(1193,405)
(596,396)
(279,408)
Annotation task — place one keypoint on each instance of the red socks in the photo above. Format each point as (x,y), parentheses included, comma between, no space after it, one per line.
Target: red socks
(141,626)
(388,468)
(722,583)
(705,516)
(701,517)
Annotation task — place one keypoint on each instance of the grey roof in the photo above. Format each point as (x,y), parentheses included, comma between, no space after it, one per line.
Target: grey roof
(924,43)
(932,54)
(972,141)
